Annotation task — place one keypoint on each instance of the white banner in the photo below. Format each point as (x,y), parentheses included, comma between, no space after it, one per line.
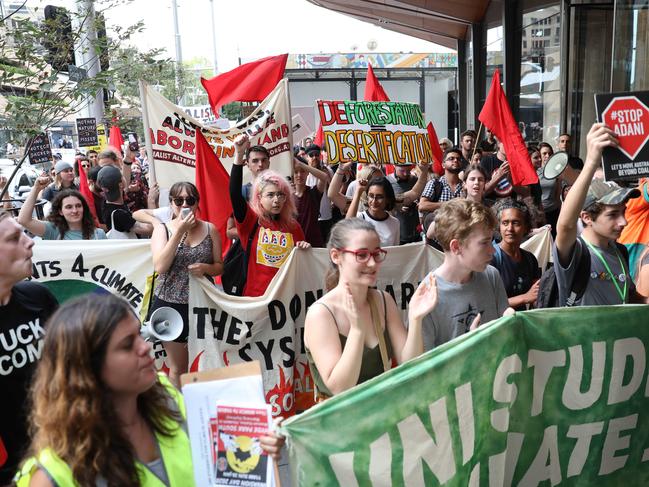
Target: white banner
(173,138)
(226,330)
(70,268)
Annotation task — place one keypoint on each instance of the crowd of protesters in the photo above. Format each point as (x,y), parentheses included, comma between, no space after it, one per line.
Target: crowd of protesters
(100,413)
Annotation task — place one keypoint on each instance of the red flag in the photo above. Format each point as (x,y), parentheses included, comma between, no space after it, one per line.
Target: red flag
(249,82)
(438,156)
(84,189)
(115,137)
(373,89)
(212,182)
(319,137)
(497,116)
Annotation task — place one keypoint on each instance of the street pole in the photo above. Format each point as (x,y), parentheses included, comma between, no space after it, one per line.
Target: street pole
(179,51)
(86,57)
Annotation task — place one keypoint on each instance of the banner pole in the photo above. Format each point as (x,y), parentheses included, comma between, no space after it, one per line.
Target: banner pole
(147,133)
(477,138)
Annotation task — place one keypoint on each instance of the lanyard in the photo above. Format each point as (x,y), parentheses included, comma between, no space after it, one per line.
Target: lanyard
(621,293)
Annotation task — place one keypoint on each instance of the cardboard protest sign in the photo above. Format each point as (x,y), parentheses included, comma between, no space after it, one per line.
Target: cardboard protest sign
(226,415)
(70,268)
(173,138)
(87,132)
(627,114)
(40,151)
(525,401)
(380,132)
(102,140)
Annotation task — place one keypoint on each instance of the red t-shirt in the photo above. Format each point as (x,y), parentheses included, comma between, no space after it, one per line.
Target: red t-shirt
(270,248)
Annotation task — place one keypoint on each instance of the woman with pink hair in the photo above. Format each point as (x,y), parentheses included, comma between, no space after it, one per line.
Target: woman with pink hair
(266,224)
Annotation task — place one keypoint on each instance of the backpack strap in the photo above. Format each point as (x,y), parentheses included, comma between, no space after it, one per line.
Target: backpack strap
(438,187)
(582,275)
(498,254)
(246,254)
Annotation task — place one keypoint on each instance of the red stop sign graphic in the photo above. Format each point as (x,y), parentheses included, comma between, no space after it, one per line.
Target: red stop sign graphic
(629,119)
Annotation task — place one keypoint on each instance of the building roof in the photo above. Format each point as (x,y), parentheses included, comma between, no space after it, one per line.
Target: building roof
(440,21)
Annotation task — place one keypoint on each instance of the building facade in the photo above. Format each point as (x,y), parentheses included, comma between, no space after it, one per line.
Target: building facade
(554,56)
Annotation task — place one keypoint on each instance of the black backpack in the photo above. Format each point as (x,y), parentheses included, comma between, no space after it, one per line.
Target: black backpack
(235,266)
(548,296)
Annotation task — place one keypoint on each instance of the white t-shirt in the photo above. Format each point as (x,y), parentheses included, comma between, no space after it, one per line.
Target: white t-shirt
(389,229)
(164,214)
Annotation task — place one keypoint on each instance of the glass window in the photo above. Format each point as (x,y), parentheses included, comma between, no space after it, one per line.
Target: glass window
(470,109)
(590,67)
(495,54)
(540,97)
(631,50)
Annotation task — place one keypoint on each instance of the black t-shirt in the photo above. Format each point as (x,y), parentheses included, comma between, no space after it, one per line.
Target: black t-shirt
(124,221)
(487,146)
(576,163)
(22,330)
(518,277)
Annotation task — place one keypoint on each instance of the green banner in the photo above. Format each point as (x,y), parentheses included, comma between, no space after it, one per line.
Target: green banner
(547,397)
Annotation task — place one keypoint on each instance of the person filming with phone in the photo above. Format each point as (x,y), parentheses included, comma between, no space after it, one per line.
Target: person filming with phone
(186,245)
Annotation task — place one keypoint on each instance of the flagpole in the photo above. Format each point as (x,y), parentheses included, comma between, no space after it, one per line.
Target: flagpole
(147,133)
(477,138)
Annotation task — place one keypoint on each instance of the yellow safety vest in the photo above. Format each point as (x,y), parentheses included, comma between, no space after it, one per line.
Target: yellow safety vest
(175,451)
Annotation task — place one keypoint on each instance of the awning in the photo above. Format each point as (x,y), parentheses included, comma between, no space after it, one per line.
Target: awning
(440,21)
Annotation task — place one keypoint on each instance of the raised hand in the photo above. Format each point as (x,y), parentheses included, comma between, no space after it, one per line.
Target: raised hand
(424,300)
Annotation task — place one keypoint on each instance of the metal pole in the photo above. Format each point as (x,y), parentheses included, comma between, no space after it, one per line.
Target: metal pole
(213,37)
(87,57)
(147,132)
(179,51)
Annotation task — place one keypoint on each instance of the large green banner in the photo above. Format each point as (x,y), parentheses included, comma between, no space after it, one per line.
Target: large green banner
(547,397)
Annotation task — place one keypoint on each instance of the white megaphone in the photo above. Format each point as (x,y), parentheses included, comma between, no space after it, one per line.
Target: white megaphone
(165,325)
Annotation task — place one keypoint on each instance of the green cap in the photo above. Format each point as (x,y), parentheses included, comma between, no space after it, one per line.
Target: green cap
(608,193)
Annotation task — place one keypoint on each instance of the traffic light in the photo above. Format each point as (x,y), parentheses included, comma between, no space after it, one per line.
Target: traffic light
(57,38)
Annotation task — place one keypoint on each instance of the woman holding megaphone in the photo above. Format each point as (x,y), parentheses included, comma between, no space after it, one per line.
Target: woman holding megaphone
(102,415)
(186,245)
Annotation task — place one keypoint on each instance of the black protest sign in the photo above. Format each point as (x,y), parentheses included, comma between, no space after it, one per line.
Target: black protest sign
(627,114)
(87,132)
(40,151)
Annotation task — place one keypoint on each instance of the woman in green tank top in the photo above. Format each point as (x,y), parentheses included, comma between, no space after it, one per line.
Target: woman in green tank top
(354,332)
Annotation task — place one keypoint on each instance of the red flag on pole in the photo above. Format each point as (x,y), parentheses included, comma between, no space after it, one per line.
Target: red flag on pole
(84,189)
(375,92)
(497,115)
(212,182)
(249,82)
(115,138)
(319,138)
(373,89)
(438,156)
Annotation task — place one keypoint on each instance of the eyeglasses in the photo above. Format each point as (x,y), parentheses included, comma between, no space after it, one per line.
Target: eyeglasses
(363,256)
(279,195)
(190,200)
(85,166)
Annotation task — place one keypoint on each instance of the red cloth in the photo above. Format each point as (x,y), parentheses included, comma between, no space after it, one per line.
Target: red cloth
(373,89)
(497,115)
(115,138)
(249,82)
(438,156)
(84,189)
(319,138)
(270,249)
(212,182)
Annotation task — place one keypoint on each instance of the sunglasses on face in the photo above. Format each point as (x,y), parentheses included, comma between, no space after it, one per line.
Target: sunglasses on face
(363,256)
(190,200)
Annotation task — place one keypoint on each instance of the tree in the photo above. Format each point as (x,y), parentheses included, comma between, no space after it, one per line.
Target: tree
(39,90)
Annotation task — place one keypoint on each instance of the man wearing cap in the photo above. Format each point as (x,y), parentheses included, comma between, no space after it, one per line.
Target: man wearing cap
(601,207)
(407,190)
(115,210)
(63,179)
